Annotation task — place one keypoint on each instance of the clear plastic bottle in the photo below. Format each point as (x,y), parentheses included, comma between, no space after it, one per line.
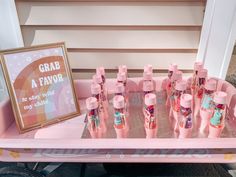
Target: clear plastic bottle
(98,80)
(202,76)
(180,89)
(96,92)
(150,113)
(148,87)
(207,105)
(185,124)
(101,71)
(177,76)
(120,90)
(199,89)
(120,119)
(172,68)
(147,76)
(121,78)
(122,70)
(197,66)
(93,117)
(207,98)
(217,121)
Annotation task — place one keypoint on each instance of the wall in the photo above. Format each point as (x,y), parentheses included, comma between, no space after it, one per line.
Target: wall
(113,33)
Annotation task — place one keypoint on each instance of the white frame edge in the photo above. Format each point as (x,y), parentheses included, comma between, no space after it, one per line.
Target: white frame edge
(10,31)
(206,28)
(218,36)
(229,48)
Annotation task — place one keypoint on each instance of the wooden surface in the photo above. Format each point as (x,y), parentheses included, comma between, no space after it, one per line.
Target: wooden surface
(112,33)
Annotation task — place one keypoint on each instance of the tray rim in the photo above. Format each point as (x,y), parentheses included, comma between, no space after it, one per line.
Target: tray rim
(128,143)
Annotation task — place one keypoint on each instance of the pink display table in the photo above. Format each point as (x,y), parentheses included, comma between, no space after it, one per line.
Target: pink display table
(69,141)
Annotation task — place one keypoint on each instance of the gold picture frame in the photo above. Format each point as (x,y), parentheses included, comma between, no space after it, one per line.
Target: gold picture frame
(40,85)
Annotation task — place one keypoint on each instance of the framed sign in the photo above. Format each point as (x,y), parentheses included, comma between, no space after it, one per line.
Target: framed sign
(40,85)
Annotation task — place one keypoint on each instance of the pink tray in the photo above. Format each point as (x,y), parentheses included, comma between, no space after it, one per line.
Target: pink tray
(69,141)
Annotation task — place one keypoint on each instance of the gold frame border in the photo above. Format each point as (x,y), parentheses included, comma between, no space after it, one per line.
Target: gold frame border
(11,88)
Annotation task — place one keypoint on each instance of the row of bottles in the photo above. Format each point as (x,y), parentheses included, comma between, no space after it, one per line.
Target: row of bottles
(97,104)
(193,101)
(207,105)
